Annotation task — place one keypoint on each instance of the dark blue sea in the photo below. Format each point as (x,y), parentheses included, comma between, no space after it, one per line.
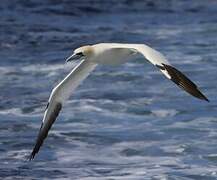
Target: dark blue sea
(123,123)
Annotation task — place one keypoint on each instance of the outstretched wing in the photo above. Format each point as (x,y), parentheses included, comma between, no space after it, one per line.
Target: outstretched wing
(169,71)
(157,59)
(60,94)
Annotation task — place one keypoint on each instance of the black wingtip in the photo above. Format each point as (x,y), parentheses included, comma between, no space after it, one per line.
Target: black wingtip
(203,97)
(183,82)
(33,153)
(36,147)
(31,157)
(43,132)
(206,99)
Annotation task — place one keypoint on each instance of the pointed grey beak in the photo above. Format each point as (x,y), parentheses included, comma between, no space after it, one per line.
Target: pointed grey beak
(74,57)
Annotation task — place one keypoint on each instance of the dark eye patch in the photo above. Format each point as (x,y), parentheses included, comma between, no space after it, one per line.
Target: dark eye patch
(80,54)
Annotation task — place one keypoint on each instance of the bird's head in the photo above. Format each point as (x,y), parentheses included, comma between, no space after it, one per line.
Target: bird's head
(81,53)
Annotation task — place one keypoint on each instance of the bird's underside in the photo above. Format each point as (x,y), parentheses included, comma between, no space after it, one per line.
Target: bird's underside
(117,52)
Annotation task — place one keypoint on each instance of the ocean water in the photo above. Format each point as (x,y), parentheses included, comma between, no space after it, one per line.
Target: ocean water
(126,122)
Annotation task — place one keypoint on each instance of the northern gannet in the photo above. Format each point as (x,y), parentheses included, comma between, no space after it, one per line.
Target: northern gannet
(110,54)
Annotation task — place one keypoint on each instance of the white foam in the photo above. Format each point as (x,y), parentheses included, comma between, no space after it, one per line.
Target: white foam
(162,113)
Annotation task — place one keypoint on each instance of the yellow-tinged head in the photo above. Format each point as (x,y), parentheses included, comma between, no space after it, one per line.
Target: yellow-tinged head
(85,50)
(81,52)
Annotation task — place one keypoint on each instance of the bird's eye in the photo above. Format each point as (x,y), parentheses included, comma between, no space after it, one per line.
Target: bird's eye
(80,54)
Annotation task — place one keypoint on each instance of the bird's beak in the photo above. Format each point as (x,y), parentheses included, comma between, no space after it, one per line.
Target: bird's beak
(74,57)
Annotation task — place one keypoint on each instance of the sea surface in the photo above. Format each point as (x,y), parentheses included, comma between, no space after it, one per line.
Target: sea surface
(126,122)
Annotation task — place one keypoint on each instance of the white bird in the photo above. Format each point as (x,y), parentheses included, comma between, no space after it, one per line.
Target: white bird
(110,54)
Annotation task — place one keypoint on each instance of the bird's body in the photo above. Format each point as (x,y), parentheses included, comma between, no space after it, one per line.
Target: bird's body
(105,54)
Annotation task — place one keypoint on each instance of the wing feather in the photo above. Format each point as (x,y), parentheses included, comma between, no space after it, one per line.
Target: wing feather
(60,94)
(171,72)
(44,129)
(184,82)
(158,59)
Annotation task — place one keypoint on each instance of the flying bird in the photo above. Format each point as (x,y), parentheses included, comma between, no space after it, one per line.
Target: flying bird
(107,54)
